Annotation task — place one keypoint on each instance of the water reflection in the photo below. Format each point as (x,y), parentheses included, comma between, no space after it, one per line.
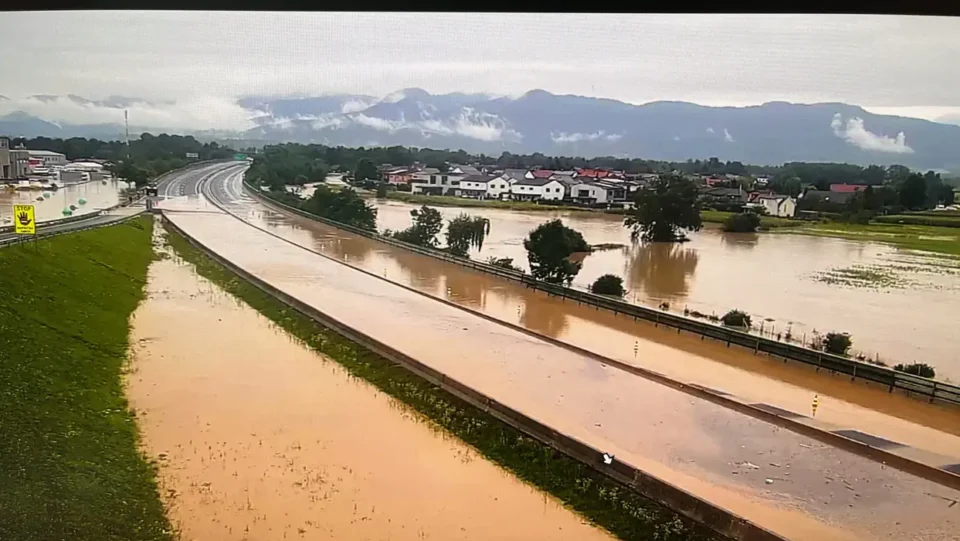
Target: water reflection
(662,270)
(543,317)
(740,241)
(462,289)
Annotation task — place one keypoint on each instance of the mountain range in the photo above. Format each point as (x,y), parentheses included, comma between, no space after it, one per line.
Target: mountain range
(539,121)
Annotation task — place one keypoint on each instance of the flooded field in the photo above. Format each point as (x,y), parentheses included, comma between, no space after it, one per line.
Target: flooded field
(97,195)
(260,438)
(797,487)
(896,305)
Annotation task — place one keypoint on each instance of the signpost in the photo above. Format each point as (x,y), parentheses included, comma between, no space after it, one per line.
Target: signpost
(193,155)
(239,157)
(25,221)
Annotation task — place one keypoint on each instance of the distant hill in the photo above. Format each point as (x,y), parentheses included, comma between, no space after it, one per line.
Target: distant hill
(538,121)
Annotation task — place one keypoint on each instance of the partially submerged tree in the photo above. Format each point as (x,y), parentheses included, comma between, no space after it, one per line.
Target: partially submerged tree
(365,170)
(465,232)
(736,318)
(608,284)
(744,222)
(343,206)
(549,248)
(664,210)
(917,369)
(427,223)
(836,343)
(503,262)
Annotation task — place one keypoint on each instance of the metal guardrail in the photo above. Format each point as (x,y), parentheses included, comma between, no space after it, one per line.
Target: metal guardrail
(932,390)
(712,516)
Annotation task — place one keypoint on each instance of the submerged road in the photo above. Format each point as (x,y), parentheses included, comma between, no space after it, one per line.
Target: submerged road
(788,483)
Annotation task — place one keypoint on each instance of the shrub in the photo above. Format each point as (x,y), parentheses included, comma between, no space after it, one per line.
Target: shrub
(503,262)
(836,343)
(608,284)
(923,370)
(736,318)
(745,222)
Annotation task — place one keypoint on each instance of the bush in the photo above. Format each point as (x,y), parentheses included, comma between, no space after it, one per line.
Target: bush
(608,284)
(746,222)
(923,370)
(736,318)
(836,343)
(503,262)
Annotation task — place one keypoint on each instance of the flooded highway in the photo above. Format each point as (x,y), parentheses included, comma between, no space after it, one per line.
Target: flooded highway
(683,357)
(894,304)
(258,437)
(97,195)
(785,482)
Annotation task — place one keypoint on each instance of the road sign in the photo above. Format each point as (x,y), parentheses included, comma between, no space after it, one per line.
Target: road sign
(24,220)
(193,155)
(239,157)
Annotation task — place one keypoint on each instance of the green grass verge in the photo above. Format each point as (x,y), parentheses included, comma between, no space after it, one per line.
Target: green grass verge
(943,220)
(942,240)
(69,463)
(608,504)
(766,222)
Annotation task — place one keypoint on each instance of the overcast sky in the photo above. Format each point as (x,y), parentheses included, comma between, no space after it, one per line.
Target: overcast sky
(194,65)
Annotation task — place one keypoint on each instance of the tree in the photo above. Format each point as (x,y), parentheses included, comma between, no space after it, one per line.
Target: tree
(608,284)
(923,370)
(503,262)
(365,170)
(664,209)
(745,222)
(836,343)
(913,192)
(549,247)
(344,206)
(465,232)
(736,318)
(427,222)
(131,173)
(381,190)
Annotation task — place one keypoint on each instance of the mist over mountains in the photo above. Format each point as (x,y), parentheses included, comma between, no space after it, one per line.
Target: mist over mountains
(538,121)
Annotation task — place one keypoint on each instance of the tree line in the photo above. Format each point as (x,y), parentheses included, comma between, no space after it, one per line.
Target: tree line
(146,157)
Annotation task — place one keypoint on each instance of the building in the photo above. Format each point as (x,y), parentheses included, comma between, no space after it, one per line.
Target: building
(782,206)
(430,181)
(588,193)
(48,157)
(484,187)
(532,189)
(398,175)
(6,167)
(847,188)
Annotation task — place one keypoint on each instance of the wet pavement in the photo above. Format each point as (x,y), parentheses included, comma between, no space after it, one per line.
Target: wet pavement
(788,483)
(258,437)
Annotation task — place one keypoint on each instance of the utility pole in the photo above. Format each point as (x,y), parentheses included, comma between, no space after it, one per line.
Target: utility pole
(126,123)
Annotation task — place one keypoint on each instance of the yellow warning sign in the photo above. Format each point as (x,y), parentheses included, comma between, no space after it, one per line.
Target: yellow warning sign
(24,220)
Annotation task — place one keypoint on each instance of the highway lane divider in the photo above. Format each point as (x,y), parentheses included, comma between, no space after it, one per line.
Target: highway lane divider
(925,464)
(930,390)
(714,517)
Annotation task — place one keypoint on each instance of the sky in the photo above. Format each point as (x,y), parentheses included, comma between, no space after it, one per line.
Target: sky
(190,67)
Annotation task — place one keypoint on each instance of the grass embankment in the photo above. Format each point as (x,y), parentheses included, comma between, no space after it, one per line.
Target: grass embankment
(69,463)
(766,222)
(942,240)
(616,508)
(942,219)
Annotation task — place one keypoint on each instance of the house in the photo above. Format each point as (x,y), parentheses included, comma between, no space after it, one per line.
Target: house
(463,170)
(731,199)
(824,201)
(513,175)
(617,190)
(541,173)
(483,187)
(847,188)
(589,192)
(532,189)
(782,206)
(398,175)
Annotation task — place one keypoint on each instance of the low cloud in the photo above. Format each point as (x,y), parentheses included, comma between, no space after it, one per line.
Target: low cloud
(854,132)
(469,123)
(563,137)
(726,136)
(354,106)
(710,130)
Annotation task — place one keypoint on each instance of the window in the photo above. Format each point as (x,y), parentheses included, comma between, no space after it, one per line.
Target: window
(433,179)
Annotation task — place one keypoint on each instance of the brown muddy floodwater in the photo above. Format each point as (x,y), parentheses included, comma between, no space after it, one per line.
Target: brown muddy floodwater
(98,196)
(783,481)
(894,304)
(258,437)
(683,357)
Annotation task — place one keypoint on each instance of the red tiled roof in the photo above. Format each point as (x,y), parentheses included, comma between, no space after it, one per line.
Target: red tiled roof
(542,173)
(847,188)
(593,173)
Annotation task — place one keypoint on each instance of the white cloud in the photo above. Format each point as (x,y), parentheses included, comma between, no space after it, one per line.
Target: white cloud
(854,132)
(563,137)
(380,124)
(469,123)
(676,137)
(726,136)
(354,106)
(710,130)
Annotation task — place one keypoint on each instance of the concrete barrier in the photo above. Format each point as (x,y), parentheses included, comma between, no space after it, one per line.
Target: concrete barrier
(714,517)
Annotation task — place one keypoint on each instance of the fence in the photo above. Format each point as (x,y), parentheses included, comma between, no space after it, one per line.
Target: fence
(931,390)
(716,518)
